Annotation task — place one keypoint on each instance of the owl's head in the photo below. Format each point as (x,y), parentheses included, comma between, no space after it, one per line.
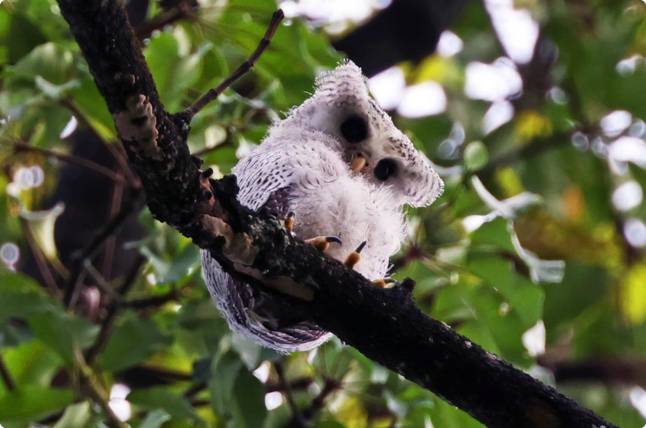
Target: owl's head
(370,143)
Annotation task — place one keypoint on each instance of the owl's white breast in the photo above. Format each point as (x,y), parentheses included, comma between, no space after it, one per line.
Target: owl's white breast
(355,211)
(326,197)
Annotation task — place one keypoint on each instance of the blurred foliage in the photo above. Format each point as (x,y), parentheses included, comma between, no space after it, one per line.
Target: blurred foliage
(487,256)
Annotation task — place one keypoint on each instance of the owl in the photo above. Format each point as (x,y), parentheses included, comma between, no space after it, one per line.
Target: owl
(341,168)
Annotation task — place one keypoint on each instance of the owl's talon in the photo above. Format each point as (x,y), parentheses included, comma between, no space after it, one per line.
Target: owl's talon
(322,243)
(383,282)
(289,222)
(354,257)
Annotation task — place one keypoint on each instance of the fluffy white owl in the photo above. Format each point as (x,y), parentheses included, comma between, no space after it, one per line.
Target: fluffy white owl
(339,164)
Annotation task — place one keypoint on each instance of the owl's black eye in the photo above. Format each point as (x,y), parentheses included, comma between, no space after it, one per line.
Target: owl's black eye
(385,169)
(354,129)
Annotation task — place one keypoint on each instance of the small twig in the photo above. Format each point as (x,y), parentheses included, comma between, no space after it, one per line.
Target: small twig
(79,115)
(299,383)
(93,389)
(228,141)
(155,301)
(116,202)
(242,69)
(87,253)
(529,150)
(113,310)
(100,280)
(329,387)
(410,254)
(297,416)
(200,403)
(194,390)
(120,157)
(154,375)
(39,257)
(74,284)
(167,17)
(6,376)
(207,150)
(99,169)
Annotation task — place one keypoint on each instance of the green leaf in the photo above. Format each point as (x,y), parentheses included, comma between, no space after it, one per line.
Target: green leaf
(329,423)
(583,287)
(446,415)
(50,61)
(155,419)
(524,297)
(495,234)
(224,372)
(248,350)
(173,269)
(52,91)
(162,57)
(88,100)
(20,295)
(248,404)
(75,416)
(475,155)
(12,24)
(162,398)
(64,333)
(32,403)
(32,363)
(120,352)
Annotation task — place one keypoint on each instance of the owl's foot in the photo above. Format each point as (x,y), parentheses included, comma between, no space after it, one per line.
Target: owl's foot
(354,257)
(323,242)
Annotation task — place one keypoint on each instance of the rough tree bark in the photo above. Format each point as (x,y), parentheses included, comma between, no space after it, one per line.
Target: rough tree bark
(385,325)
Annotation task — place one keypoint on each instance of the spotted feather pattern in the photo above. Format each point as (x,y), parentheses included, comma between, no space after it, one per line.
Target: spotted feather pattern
(303,166)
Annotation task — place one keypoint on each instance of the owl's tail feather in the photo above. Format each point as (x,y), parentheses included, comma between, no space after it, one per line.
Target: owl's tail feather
(236,301)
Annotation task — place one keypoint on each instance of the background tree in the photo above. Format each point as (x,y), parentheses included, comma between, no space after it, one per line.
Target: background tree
(138,310)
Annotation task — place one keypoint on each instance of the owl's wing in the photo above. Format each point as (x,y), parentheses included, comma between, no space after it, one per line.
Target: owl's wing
(285,165)
(266,179)
(249,313)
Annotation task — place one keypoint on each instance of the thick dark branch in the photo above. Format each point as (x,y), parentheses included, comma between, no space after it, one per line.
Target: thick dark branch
(384,324)
(117,64)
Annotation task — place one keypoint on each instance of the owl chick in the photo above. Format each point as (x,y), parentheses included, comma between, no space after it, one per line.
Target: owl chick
(339,164)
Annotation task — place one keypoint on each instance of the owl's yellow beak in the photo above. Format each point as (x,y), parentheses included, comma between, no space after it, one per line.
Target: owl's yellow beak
(358,163)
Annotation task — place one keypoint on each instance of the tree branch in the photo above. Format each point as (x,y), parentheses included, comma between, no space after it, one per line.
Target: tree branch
(99,169)
(297,417)
(607,370)
(384,324)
